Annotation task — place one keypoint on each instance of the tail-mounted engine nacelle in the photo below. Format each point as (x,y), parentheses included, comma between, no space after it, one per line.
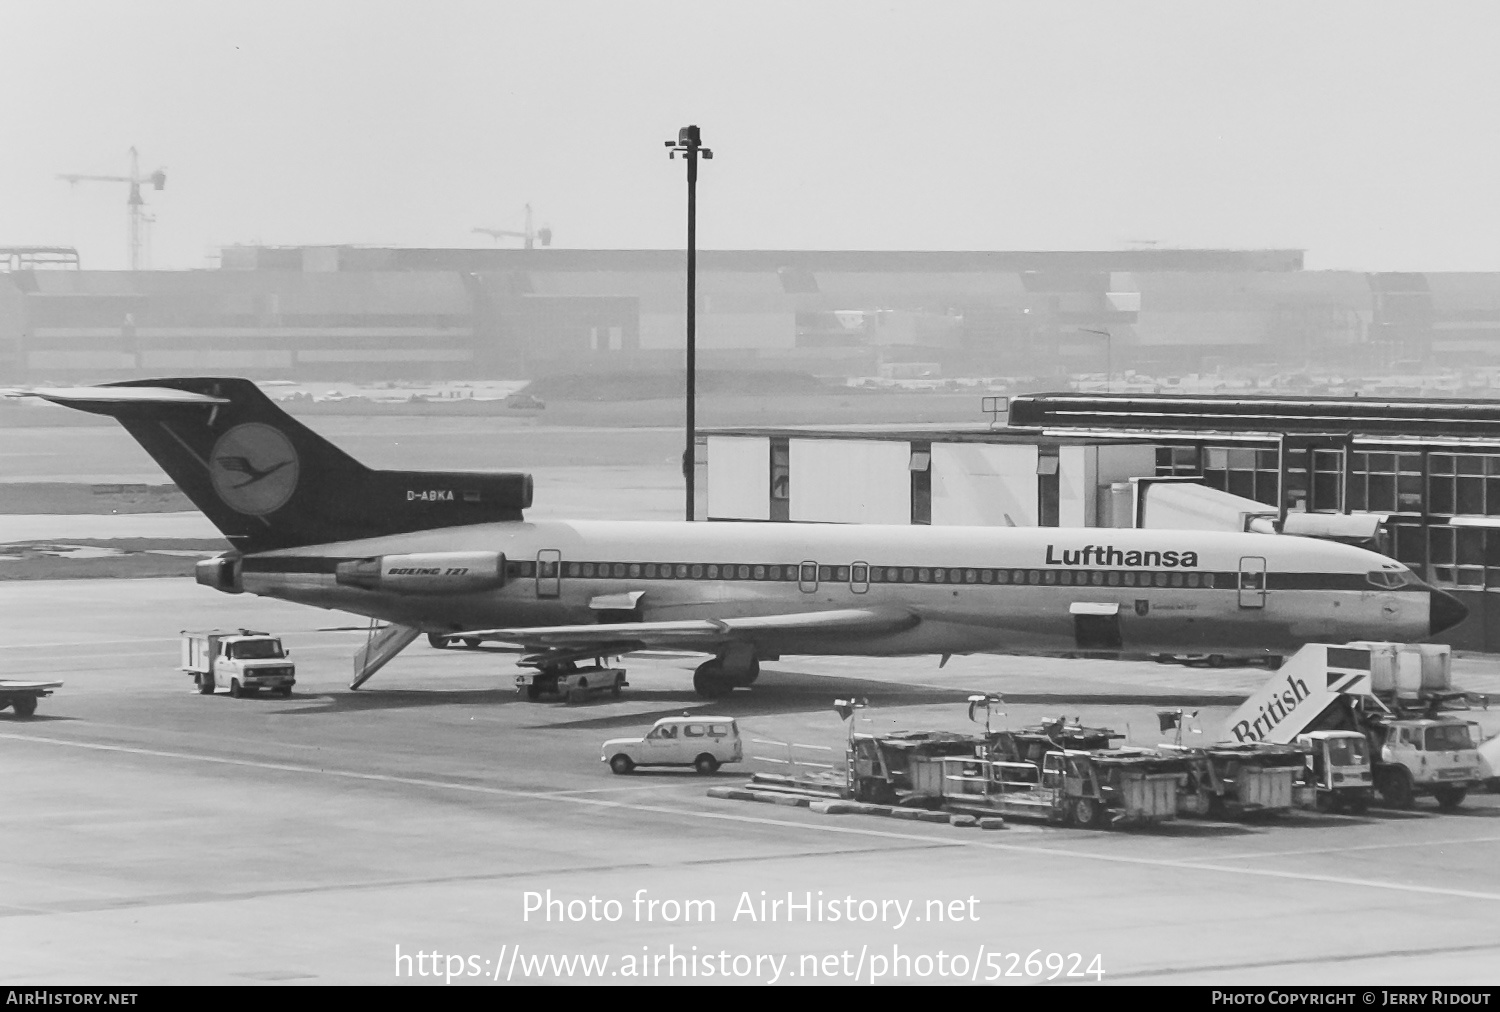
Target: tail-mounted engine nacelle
(426,573)
(222,573)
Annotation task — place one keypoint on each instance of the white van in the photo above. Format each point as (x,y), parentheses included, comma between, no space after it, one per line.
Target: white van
(703,743)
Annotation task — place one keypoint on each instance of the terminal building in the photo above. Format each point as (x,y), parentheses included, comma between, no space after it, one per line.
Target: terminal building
(355,313)
(1416,479)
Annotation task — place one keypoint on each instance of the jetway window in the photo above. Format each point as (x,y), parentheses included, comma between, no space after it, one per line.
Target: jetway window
(1386,482)
(1328,477)
(1252,473)
(1467,484)
(1177,461)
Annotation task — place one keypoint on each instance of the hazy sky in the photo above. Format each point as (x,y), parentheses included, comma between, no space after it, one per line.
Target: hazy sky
(1364,132)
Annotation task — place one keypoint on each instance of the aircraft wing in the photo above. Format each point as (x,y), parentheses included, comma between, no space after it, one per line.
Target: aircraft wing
(623,637)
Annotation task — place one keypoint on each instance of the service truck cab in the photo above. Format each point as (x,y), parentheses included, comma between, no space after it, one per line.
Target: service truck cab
(703,743)
(1339,769)
(1435,756)
(240,660)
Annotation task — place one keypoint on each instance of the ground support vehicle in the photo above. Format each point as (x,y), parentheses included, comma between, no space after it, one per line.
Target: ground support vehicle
(1096,790)
(22,696)
(1489,760)
(241,660)
(1029,744)
(1229,779)
(1433,756)
(1338,769)
(704,743)
(1394,694)
(884,769)
(573,683)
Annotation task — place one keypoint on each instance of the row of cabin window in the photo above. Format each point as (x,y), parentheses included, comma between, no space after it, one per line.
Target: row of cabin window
(863,573)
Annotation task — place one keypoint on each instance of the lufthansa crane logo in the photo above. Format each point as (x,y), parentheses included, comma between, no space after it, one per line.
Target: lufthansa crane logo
(254,468)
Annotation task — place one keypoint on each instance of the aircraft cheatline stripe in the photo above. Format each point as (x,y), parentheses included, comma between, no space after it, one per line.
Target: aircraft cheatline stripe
(790,573)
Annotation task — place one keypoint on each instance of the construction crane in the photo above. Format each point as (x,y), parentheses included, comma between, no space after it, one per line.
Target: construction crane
(531,236)
(134,205)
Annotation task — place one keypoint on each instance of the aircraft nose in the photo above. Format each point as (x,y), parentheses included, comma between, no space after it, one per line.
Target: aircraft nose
(1446,611)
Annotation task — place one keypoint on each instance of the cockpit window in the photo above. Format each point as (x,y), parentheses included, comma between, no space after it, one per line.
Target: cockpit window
(1390,579)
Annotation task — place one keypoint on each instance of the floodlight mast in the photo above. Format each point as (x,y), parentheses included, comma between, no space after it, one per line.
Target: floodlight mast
(134,205)
(689,144)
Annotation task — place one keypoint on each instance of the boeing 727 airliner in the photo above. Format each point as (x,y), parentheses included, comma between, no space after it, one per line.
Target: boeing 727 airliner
(451,553)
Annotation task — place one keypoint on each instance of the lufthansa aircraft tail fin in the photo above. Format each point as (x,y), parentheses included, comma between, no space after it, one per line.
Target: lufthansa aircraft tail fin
(268,481)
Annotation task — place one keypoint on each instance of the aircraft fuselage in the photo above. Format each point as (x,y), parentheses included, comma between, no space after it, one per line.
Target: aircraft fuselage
(967,589)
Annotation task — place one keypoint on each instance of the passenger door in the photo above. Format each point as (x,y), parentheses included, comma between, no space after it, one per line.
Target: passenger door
(807,577)
(1252,582)
(859,577)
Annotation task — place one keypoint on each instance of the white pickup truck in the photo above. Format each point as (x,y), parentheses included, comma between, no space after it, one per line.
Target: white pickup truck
(241,660)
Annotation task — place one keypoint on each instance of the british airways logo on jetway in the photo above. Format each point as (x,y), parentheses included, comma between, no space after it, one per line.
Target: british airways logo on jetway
(1109,555)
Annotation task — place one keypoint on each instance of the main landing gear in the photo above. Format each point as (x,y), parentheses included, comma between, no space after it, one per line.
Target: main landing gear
(734,667)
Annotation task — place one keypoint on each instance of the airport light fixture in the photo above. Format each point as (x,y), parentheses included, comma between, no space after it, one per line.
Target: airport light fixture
(689,144)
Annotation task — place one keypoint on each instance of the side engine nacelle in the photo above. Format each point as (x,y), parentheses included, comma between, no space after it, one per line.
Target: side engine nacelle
(221,573)
(425,573)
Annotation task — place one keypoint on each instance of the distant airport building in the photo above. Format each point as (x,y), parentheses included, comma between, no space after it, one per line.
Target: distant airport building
(354,313)
(1416,479)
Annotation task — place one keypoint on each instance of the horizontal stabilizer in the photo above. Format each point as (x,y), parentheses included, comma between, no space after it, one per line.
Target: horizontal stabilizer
(81,397)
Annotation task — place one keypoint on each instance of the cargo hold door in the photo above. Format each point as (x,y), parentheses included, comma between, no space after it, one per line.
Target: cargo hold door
(1096,625)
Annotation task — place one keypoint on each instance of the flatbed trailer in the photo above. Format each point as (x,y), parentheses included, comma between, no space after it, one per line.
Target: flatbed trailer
(1093,790)
(1233,779)
(22,696)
